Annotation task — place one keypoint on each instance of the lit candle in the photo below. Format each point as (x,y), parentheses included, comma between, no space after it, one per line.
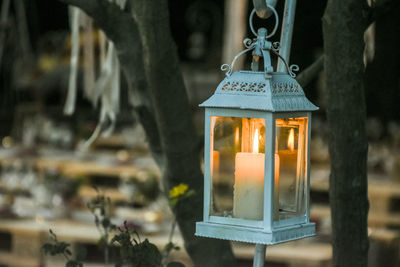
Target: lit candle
(249,184)
(276,187)
(288,158)
(287,176)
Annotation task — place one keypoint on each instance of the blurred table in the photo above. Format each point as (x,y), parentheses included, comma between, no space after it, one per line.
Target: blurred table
(29,235)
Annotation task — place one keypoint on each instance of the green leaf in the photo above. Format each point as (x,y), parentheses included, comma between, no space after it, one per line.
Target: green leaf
(151,252)
(72,263)
(106,223)
(56,248)
(53,235)
(173,202)
(189,193)
(81,254)
(169,247)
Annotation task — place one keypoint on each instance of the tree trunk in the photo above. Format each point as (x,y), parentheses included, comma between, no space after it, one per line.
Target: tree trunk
(344,23)
(179,141)
(150,64)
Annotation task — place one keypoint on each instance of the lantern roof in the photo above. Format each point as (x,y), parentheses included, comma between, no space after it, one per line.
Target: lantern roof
(255,90)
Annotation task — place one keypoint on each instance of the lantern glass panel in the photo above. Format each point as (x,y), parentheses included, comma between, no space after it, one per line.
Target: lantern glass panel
(290,168)
(237,160)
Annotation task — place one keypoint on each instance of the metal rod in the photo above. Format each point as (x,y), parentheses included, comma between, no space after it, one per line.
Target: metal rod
(259,255)
(286,33)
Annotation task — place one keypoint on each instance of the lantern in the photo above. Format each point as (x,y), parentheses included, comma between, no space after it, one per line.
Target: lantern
(256,154)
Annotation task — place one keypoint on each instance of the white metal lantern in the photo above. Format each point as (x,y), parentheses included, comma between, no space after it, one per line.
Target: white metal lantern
(256,161)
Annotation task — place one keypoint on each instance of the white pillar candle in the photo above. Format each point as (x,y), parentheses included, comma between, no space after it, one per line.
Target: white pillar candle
(248,193)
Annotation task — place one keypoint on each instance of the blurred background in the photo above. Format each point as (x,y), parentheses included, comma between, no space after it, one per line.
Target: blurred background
(46,179)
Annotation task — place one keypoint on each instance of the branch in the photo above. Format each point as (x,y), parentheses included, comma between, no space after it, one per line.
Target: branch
(307,75)
(379,8)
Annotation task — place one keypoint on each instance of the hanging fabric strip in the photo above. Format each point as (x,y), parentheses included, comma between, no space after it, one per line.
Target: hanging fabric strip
(102,91)
(96,132)
(102,48)
(105,74)
(69,107)
(88,56)
(104,84)
(110,98)
(116,85)
(107,88)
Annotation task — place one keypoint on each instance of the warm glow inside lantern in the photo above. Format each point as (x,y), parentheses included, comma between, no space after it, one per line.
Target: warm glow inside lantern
(256,164)
(237,167)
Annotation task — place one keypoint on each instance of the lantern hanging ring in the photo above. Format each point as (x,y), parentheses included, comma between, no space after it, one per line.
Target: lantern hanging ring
(276,21)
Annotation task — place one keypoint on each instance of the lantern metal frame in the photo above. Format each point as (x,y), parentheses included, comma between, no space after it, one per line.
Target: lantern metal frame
(266,231)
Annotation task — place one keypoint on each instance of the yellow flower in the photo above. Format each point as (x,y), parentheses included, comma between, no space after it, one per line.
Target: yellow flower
(178,190)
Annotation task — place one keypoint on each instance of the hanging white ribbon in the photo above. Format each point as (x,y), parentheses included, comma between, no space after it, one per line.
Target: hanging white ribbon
(105,74)
(69,107)
(102,48)
(108,84)
(106,88)
(88,57)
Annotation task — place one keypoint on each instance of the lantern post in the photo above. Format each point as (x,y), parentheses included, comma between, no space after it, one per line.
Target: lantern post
(257,146)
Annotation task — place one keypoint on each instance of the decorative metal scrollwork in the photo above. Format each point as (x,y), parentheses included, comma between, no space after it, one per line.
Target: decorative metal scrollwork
(276,46)
(229,68)
(252,87)
(261,44)
(248,43)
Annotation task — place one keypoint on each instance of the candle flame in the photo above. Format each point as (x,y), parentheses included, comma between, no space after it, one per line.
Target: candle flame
(255,142)
(290,142)
(237,136)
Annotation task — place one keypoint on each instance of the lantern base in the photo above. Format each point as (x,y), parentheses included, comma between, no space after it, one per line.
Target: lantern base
(254,235)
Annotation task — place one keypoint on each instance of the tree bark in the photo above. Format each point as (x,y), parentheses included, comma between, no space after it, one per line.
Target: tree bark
(150,64)
(344,23)
(178,138)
